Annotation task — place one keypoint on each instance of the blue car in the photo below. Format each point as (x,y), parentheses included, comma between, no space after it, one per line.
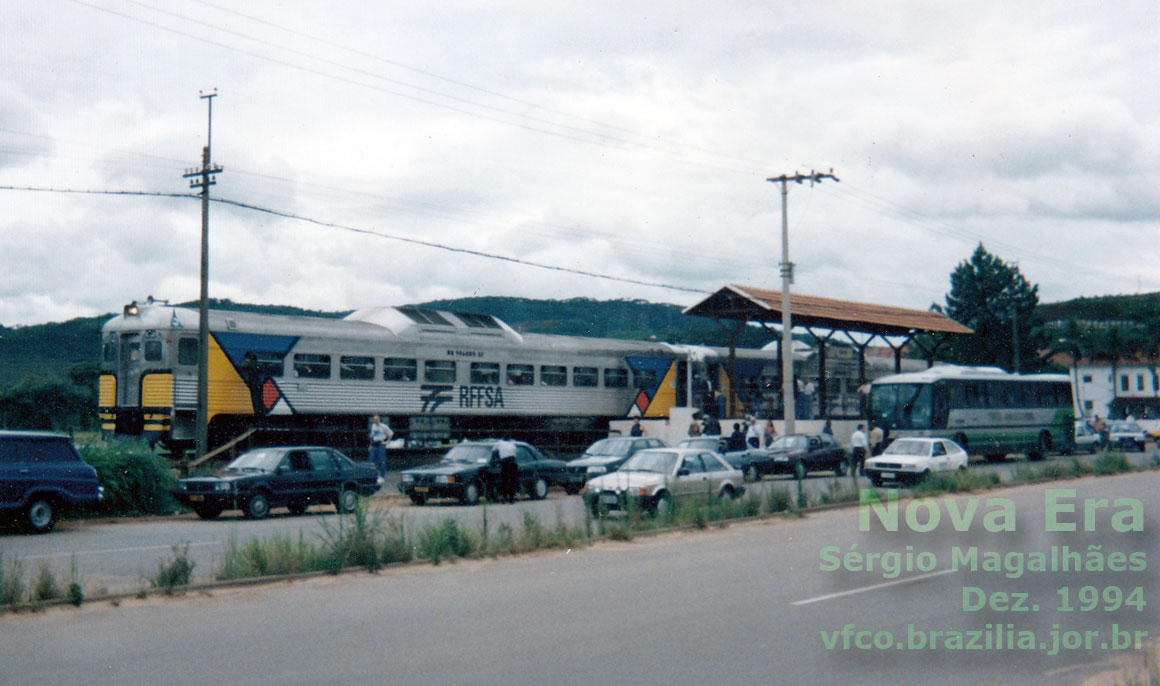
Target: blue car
(40,475)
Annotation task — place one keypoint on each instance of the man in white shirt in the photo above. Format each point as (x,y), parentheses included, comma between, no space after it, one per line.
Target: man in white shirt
(860,444)
(381,434)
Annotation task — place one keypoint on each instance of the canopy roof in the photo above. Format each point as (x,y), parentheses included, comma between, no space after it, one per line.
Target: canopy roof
(750,304)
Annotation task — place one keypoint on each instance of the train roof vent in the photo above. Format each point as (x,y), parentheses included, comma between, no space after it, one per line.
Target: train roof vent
(478,321)
(425,316)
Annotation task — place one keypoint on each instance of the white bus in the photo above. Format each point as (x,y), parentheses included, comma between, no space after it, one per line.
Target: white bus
(986,410)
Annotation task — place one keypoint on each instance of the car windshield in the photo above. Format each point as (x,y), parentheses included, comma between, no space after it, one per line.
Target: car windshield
(256,461)
(702,443)
(473,453)
(792,442)
(906,447)
(610,447)
(1125,428)
(659,461)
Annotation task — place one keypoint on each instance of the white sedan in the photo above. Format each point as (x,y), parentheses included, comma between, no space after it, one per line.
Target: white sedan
(651,479)
(913,459)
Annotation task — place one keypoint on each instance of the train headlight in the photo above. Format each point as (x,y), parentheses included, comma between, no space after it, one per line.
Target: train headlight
(131,310)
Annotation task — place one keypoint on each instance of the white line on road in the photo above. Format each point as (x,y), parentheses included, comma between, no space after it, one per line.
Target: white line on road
(866,589)
(111,551)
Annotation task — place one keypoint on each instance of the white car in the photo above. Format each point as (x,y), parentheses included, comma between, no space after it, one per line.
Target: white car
(1126,435)
(913,459)
(651,479)
(1085,438)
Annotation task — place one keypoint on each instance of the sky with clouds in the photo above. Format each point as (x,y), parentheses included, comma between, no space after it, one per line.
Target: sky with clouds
(377,153)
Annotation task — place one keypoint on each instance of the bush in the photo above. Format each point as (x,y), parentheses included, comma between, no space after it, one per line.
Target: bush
(136,478)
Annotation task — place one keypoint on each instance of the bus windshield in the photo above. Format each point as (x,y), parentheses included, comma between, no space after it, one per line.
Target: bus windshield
(901,405)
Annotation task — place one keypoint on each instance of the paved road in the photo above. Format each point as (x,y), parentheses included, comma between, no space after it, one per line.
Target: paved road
(744,605)
(121,555)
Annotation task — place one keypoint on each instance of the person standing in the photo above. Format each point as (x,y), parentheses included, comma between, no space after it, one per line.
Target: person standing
(876,438)
(695,426)
(509,478)
(637,429)
(860,444)
(381,434)
(754,433)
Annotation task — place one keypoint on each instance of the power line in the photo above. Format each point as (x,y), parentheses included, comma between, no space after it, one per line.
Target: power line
(364,231)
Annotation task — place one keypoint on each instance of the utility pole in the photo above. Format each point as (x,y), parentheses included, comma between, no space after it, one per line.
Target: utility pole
(788,407)
(203,179)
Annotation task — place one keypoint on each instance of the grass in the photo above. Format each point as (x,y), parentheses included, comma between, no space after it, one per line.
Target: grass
(174,574)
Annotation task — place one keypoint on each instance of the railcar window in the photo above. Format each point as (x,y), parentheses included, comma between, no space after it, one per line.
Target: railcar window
(645,378)
(585,376)
(262,363)
(312,366)
(356,367)
(400,369)
(477,321)
(425,316)
(187,351)
(521,374)
(152,351)
(553,375)
(439,371)
(110,352)
(485,373)
(615,378)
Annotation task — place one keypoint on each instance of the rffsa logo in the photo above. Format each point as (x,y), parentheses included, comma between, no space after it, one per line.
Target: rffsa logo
(435,395)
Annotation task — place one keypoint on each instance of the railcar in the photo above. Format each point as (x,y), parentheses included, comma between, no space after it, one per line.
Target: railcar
(436,375)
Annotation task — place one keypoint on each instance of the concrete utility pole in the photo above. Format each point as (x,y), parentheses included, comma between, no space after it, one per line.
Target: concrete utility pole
(203,179)
(789,409)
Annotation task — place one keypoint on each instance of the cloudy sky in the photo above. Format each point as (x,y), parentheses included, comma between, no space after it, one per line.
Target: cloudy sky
(384,149)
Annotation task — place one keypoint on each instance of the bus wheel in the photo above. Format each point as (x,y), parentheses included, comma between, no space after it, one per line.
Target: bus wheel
(1037,452)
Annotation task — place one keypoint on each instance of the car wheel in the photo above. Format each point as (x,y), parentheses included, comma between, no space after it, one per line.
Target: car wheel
(799,470)
(40,515)
(470,494)
(257,507)
(347,500)
(207,511)
(840,469)
(751,473)
(539,489)
(728,493)
(418,499)
(572,489)
(663,504)
(297,507)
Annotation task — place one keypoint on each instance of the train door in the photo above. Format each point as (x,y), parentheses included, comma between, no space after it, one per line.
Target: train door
(129,371)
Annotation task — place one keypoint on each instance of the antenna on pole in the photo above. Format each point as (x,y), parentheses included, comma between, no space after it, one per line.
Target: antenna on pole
(203,179)
(787,399)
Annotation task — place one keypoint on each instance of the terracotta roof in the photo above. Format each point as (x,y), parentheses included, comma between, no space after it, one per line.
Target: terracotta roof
(751,304)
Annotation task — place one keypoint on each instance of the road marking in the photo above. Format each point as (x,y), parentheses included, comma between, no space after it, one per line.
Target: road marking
(867,589)
(111,551)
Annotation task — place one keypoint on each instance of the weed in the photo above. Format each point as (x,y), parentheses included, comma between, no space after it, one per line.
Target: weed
(175,573)
(11,583)
(46,587)
(447,540)
(1112,463)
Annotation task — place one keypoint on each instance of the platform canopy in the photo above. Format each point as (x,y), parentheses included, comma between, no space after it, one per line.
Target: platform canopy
(749,304)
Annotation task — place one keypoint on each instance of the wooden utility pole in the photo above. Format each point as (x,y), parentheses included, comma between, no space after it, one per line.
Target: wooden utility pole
(203,179)
(788,408)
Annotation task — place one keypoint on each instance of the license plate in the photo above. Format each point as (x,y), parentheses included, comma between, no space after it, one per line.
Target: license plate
(887,475)
(421,489)
(197,498)
(609,498)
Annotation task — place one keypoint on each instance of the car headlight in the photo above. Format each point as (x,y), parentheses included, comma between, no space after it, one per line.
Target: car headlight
(407,478)
(223,486)
(597,469)
(445,479)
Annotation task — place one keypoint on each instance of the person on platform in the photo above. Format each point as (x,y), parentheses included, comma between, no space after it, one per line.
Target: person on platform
(380,435)
(860,444)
